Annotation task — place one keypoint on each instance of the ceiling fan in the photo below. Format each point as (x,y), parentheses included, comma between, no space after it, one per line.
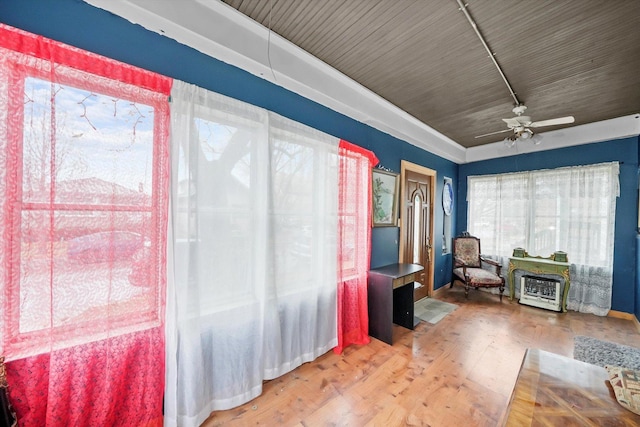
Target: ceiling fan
(521,126)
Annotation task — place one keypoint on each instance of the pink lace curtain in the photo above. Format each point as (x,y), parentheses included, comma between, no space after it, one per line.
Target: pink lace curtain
(354,243)
(84,179)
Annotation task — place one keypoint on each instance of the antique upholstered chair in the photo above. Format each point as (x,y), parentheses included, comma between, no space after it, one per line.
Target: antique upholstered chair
(471,268)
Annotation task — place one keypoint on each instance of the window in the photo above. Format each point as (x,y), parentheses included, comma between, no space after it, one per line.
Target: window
(566,209)
(213,226)
(255,202)
(546,211)
(83,206)
(353,213)
(249,182)
(298,164)
(498,211)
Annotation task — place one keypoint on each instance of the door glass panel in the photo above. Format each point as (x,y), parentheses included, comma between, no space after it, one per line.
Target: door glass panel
(417,212)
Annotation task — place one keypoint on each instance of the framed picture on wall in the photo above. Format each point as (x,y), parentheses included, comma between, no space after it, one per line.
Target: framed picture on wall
(384,198)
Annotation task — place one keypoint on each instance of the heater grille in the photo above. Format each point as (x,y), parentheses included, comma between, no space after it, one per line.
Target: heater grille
(541,292)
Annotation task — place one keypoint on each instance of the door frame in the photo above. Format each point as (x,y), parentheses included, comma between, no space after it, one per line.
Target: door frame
(408,166)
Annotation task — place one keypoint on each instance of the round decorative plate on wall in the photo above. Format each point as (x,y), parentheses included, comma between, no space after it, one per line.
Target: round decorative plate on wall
(447,198)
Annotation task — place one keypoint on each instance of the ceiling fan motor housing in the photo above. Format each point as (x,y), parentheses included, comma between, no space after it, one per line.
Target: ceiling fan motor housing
(519,109)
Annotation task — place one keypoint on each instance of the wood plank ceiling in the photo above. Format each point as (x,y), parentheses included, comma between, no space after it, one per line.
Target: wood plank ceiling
(562,57)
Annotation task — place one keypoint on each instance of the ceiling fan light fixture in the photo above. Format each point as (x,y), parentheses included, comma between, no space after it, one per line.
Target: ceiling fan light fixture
(525,134)
(536,139)
(510,141)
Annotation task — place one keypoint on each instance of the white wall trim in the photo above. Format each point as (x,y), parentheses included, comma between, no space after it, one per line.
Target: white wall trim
(220,31)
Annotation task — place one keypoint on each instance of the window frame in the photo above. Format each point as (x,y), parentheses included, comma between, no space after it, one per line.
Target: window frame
(532,201)
(31,342)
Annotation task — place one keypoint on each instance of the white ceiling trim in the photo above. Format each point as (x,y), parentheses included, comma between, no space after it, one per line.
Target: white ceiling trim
(222,32)
(621,127)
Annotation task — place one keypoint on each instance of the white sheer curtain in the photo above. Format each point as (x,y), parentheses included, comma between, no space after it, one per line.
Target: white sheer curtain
(567,209)
(498,212)
(252,294)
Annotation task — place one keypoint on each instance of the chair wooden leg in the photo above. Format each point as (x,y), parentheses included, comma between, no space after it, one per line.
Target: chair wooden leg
(466,290)
(501,292)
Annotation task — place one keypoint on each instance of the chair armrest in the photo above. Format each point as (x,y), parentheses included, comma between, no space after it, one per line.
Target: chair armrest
(490,261)
(496,264)
(457,262)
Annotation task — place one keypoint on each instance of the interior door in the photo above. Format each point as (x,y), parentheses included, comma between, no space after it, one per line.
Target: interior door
(417,225)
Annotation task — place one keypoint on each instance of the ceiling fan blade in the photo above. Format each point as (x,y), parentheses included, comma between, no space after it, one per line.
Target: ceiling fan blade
(493,133)
(512,122)
(518,121)
(551,122)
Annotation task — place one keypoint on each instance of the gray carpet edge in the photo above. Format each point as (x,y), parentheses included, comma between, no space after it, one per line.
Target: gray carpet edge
(601,353)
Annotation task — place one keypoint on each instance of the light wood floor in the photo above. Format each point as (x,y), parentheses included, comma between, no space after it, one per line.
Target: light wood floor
(459,372)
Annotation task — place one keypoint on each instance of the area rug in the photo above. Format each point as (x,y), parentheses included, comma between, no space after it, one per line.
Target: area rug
(602,353)
(432,310)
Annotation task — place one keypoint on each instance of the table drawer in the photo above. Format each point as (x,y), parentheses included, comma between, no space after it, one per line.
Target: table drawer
(401,281)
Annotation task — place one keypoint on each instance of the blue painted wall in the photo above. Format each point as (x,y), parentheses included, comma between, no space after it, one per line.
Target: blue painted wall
(79,24)
(625,264)
(637,284)
(383,252)
(637,265)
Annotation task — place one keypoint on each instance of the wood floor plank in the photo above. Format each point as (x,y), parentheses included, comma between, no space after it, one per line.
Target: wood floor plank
(460,371)
(337,412)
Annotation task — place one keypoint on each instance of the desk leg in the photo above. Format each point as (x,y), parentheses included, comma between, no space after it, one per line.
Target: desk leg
(380,296)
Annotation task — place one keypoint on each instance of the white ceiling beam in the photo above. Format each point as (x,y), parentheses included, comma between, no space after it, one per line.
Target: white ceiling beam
(220,31)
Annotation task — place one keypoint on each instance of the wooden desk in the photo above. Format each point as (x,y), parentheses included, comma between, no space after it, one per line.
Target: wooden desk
(390,298)
(553,390)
